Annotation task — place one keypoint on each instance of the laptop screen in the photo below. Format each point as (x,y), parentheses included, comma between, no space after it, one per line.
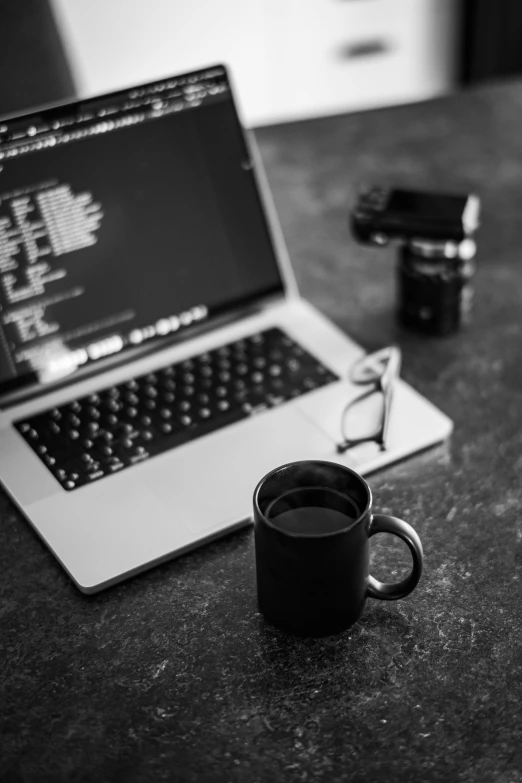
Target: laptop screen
(125,221)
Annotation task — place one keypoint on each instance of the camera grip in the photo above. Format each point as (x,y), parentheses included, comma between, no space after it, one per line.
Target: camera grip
(390,591)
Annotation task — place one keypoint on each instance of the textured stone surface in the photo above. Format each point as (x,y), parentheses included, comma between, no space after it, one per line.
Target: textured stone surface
(175,676)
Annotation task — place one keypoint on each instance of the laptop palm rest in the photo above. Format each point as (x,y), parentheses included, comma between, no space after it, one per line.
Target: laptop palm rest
(168,504)
(218,485)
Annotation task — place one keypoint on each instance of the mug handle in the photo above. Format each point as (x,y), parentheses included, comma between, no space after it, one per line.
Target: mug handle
(391,591)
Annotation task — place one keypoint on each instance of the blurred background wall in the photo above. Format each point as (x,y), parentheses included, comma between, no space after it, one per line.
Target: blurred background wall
(290,59)
(33,63)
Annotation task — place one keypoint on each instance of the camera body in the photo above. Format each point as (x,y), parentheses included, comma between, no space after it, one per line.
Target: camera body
(436,251)
(382,214)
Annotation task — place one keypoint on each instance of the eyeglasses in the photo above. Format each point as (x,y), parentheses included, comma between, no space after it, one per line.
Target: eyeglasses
(366,418)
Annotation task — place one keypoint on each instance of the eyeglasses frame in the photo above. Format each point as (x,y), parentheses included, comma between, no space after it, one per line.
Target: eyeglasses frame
(379,370)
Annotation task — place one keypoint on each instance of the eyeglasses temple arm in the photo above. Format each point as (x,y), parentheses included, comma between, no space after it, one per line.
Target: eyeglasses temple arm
(387,383)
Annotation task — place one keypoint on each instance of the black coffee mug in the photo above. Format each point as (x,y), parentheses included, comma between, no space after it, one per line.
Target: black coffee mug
(313,522)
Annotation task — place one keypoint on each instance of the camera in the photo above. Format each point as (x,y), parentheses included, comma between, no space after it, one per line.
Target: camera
(436,251)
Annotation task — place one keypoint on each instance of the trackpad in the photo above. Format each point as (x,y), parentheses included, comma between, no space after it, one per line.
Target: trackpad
(210,482)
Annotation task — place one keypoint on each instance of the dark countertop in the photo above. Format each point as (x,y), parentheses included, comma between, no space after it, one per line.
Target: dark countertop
(175,676)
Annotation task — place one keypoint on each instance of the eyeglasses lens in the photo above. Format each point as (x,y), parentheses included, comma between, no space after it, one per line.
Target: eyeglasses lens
(363,418)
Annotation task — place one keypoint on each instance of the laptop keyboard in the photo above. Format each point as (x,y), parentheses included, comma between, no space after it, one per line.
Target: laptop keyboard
(122,425)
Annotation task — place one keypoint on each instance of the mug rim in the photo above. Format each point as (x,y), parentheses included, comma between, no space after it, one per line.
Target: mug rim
(303,462)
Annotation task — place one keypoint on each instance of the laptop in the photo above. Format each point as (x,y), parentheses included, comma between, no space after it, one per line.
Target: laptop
(156,358)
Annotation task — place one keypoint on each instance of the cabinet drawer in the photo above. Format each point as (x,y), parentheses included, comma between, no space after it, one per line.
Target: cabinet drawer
(335,55)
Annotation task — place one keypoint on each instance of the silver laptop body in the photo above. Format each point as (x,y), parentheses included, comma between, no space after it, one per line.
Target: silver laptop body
(123,522)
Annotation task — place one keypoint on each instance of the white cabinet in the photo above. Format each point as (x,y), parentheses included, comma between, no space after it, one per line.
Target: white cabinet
(290,59)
